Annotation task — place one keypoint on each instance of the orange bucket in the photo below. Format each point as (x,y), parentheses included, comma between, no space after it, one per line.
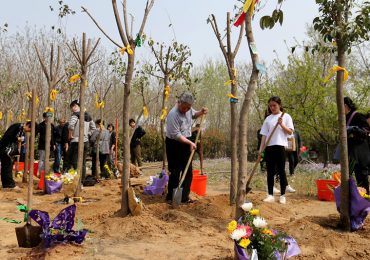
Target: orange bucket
(41,182)
(199,184)
(196,172)
(324,191)
(21,167)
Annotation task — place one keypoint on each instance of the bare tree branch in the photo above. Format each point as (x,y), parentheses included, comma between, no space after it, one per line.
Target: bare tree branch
(101,29)
(42,64)
(128,33)
(119,23)
(76,50)
(213,23)
(148,7)
(92,51)
(240,37)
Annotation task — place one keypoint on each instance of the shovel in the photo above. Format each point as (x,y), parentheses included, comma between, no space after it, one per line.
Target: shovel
(28,235)
(177,193)
(247,188)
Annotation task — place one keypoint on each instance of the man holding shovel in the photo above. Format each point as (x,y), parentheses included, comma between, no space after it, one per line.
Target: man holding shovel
(178,145)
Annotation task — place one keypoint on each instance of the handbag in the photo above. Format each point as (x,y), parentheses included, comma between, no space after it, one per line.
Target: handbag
(291,144)
(11,150)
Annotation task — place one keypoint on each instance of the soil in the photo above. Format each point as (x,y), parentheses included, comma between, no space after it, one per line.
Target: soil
(192,231)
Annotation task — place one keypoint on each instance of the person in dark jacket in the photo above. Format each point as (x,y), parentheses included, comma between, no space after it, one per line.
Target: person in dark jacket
(358,143)
(293,155)
(65,146)
(58,132)
(12,136)
(112,145)
(41,143)
(135,144)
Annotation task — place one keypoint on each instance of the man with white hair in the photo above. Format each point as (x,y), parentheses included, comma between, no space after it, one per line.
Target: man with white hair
(178,145)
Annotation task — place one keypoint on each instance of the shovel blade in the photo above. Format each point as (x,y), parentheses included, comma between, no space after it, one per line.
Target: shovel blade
(176,197)
(28,236)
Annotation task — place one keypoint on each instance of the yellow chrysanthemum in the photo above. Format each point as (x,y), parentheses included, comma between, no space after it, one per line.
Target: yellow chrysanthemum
(267,232)
(244,242)
(232,226)
(53,94)
(254,212)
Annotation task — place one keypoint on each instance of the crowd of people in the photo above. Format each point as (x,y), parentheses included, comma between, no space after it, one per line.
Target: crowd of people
(274,148)
(64,140)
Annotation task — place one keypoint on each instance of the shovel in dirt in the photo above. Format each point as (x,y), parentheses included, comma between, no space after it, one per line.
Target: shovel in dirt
(247,188)
(28,235)
(177,193)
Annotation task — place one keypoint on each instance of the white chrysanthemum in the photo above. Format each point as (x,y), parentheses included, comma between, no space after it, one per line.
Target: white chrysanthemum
(247,206)
(259,222)
(238,234)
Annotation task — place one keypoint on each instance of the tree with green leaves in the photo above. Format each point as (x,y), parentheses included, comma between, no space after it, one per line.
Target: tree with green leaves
(347,23)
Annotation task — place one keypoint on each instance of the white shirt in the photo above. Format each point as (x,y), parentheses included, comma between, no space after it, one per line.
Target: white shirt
(280,136)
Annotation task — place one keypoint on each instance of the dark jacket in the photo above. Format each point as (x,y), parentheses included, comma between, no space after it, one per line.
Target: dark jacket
(58,132)
(112,140)
(65,133)
(11,135)
(138,134)
(42,136)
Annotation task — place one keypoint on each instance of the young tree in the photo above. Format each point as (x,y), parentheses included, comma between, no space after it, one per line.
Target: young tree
(82,55)
(171,61)
(53,77)
(229,56)
(129,45)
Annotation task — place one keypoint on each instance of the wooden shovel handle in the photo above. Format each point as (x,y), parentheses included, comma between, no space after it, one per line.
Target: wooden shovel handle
(258,160)
(192,153)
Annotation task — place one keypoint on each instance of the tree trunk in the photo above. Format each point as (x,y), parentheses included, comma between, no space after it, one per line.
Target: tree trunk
(164,155)
(26,159)
(243,121)
(97,161)
(47,146)
(344,196)
(126,135)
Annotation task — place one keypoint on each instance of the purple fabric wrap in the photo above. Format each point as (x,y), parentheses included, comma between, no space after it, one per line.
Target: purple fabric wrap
(158,185)
(359,207)
(293,250)
(60,230)
(53,186)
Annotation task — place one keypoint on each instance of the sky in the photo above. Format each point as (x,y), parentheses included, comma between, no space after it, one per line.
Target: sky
(187,17)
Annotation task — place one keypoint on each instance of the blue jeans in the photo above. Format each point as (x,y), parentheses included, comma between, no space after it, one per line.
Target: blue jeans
(57,157)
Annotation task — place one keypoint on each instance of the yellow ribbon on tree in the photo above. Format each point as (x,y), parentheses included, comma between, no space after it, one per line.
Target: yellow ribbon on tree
(164,113)
(335,69)
(53,94)
(1,115)
(167,90)
(234,71)
(232,96)
(99,104)
(49,110)
(10,116)
(145,112)
(229,82)
(74,78)
(22,116)
(29,97)
(126,49)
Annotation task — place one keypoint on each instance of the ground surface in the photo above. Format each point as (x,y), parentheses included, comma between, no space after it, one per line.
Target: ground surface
(194,231)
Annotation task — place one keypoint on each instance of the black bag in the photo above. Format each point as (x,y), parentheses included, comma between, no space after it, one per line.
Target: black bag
(89,181)
(11,150)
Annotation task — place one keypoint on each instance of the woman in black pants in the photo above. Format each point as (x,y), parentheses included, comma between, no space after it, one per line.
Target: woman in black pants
(275,150)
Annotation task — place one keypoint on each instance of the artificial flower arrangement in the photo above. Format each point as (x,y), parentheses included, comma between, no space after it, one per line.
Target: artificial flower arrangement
(255,240)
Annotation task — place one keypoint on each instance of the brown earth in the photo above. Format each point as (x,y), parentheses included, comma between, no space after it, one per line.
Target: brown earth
(193,231)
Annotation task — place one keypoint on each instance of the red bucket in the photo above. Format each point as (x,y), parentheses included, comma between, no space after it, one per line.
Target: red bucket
(324,189)
(21,167)
(199,184)
(196,172)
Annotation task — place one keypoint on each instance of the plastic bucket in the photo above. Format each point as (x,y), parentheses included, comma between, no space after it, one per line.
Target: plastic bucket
(199,184)
(196,172)
(21,167)
(324,191)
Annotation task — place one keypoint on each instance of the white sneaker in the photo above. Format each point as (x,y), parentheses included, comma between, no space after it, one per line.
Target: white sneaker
(276,190)
(269,199)
(282,199)
(290,189)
